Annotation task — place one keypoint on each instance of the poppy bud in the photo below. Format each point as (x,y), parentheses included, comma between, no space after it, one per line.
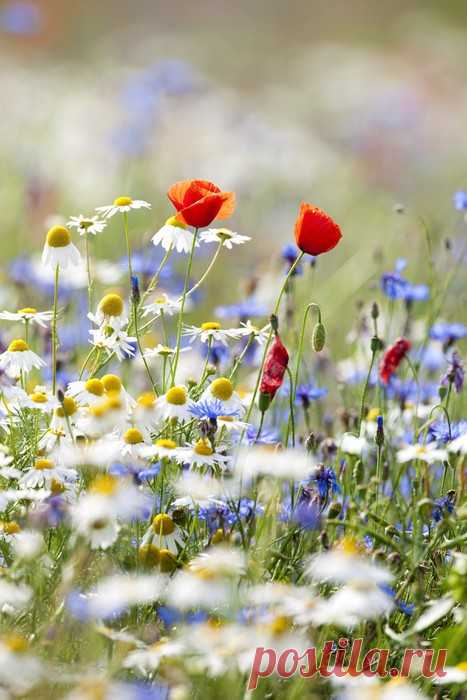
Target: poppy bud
(315,231)
(319,337)
(274,370)
(376,344)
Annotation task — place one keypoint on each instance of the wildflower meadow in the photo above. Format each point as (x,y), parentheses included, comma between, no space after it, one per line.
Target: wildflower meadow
(232,462)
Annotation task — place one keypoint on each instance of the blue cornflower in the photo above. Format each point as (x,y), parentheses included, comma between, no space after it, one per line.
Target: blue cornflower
(309,392)
(307,511)
(326,482)
(268,436)
(406,608)
(448,332)
(211,409)
(289,254)
(248,308)
(395,286)
(455,373)
(443,506)
(460,200)
(439,430)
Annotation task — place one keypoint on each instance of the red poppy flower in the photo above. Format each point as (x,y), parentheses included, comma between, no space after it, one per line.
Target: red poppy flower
(275,367)
(315,231)
(199,202)
(392,358)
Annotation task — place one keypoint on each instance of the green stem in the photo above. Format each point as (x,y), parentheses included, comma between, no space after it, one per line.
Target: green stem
(54,331)
(140,348)
(128,248)
(88,270)
(182,307)
(206,273)
(365,389)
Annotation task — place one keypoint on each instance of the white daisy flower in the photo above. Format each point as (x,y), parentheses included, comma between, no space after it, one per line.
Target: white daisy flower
(211,331)
(164,533)
(110,312)
(44,472)
(352,604)
(133,444)
(426,453)
(221,389)
(231,424)
(59,250)
(224,235)
(41,400)
(87,224)
(174,234)
(19,670)
(162,351)
(148,659)
(114,388)
(118,342)
(163,448)
(175,403)
(161,305)
(86,393)
(260,334)
(122,205)
(345,563)
(459,444)
(202,454)
(64,414)
(28,315)
(104,417)
(19,359)
(144,411)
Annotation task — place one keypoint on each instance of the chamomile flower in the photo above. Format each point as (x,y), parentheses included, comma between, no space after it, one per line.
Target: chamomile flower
(164,533)
(346,563)
(202,454)
(118,342)
(162,351)
(64,414)
(133,444)
(162,304)
(149,658)
(164,448)
(174,234)
(144,411)
(222,390)
(28,315)
(41,400)
(18,358)
(223,235)
(104,417)
(211,331)
(86,393)
(113,387)
(122,205)
(44,472)
(87,224)
(426,453)
(110,312)
(19,670)
(261,335)
(59,250)
(175,403)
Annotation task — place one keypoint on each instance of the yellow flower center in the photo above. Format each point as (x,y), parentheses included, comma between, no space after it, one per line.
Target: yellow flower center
(226,419)
(105,484)
(38,397)
(94,386)
(210,326)
(167,561)
(222,388)
(218,536)
(11,528)
(16,643)
(173,221)
(68,408)
(112,383)
(58,237)
(224,233)
(349,546)
(43,464)
(133,437)
(203,447)
(146,400)
(165,442)
(27,310)
(111,305)
(176,396)
(148,554)
(57,487)
(113,402)
(373,414)
(462,666)
(123,201)
(280,625)
(18,346)
(163,524)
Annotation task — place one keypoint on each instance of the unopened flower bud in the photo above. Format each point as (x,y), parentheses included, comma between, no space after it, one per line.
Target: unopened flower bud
(319,337)
(376,344)
(274,321)
(442,391)
(264,401)
(60,395)
(374,311)
(135,295)
(334,509)
(425,509)
(379,437)
(310,443)
(358,472)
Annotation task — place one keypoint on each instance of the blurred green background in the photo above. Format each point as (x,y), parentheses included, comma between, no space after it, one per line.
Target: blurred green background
(359,107)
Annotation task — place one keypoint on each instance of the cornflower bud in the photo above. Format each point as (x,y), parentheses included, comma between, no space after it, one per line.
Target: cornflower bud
(135,294)
(379,437)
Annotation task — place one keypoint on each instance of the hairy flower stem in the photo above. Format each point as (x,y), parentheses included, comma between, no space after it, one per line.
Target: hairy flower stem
(54,331)
(182,308)
(268,341)
(365,389)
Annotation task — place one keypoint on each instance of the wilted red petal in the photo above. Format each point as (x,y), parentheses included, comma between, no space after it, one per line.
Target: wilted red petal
(392,358)
(274,369)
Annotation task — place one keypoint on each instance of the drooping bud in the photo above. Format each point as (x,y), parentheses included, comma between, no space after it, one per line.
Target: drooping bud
(319,337)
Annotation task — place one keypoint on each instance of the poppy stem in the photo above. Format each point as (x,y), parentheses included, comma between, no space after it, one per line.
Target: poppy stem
(182,308)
